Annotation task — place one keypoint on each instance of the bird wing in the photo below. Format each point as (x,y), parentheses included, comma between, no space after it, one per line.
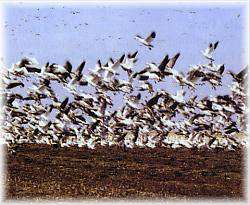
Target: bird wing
(68,66)
(221,69)
(163,64)
(79,69)
(208,51)
(215,45)
(31,68)
(134,54)
(242,73)
(14,84)
(118,62)
(64,103)
(151,37)
(121,59)
(154,100)
(173,60)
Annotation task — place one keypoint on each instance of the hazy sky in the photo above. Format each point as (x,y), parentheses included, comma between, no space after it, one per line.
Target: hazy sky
(60,32)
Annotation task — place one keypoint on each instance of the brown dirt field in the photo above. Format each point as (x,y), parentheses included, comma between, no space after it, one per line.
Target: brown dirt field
(41,172)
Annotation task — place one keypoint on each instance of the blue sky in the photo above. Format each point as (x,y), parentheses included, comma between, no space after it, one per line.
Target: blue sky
(60,32)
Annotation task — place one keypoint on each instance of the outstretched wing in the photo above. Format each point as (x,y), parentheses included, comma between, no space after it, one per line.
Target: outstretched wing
(68,66)
(163,64)
(242,73)
(172,61)
(216,44)
(79,69)
(151,37)
(134,54)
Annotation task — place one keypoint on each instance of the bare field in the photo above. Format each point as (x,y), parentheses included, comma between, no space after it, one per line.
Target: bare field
(43,172)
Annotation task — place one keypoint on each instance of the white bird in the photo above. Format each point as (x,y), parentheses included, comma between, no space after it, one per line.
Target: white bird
(99,69)
(129,62)
(208,53)
(112,68)
(146,41)
(57,69)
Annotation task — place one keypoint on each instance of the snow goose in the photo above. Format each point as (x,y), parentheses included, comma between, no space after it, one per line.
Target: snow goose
(129,62)
(17,71)
(208,53)
(194,73)
(99,68)
(59,105)
(93,79)
(122,85)
(150,75)
(147,41)
(59,70)
(150,68)
(25,66)
(181,80)
(9,98)
(219,69)
(161,70)
(113,67)
(241,76)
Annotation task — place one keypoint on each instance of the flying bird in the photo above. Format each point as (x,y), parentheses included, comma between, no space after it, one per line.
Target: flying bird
(147,41)
(208,53)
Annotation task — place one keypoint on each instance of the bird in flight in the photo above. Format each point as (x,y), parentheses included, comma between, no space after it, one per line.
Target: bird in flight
(147,41)
(208,53)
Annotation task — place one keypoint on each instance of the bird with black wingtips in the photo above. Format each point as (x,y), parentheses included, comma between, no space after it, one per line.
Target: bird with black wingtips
(129,62)
(208,53)
(27,61)
(182,81)
(213,79)
(99,68)
(77,76)
(135,74)
(147,41)
(232,130)
(112,68)
(195,73)
(160,70)
(241,76)
(138,123)
(9,98)
(59,105)
(61,71)
(151,71)
(25,67)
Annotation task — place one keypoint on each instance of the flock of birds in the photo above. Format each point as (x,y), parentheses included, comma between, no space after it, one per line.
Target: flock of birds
(34,113)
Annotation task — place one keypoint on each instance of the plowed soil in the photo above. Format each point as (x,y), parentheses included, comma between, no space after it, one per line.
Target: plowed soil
(43,172)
